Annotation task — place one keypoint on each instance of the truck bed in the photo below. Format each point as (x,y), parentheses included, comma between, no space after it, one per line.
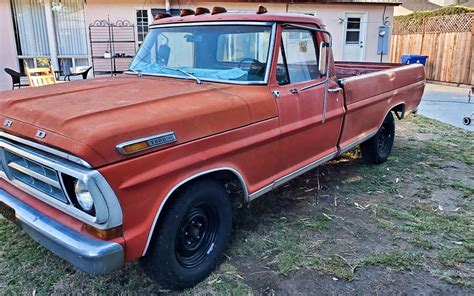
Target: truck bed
(371,90)
(349,69)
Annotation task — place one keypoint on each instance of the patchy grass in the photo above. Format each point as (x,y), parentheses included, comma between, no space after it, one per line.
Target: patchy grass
(225,281)
(421,242)
(454,256)
(448,142)
(403,260)
(22,258)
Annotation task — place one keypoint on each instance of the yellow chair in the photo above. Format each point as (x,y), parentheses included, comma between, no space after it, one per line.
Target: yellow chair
(40,76)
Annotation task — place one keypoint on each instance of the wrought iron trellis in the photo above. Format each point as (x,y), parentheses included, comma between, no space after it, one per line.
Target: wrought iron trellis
(113,45)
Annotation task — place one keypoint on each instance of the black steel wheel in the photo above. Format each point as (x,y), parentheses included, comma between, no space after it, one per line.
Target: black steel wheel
(197,235)
(378,148)
(191,237)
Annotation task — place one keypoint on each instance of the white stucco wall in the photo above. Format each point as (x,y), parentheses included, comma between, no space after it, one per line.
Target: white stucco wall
(7,45)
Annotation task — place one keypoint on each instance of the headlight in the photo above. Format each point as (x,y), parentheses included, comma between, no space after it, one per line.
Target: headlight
(83,196)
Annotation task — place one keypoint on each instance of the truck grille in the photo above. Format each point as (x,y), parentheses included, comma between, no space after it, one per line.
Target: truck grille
(33,174)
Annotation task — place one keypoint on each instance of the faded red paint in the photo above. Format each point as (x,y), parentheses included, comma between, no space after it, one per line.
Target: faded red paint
(217,125)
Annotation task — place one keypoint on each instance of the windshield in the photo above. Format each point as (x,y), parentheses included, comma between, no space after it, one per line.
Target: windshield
(218,53)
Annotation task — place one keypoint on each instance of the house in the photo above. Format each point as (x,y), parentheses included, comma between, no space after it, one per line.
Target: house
(410,6)
(39,31)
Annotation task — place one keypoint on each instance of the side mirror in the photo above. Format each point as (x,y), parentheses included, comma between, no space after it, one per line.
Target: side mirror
(323,58)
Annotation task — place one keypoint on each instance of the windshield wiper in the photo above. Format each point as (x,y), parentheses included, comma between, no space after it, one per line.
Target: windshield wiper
(198,81)
(138,72)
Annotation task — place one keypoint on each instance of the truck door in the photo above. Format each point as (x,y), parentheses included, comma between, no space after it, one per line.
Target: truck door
(305,139)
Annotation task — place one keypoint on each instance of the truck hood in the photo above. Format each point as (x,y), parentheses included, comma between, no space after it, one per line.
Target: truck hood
(89,118)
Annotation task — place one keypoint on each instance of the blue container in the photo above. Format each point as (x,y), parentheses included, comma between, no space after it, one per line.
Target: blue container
(414,59)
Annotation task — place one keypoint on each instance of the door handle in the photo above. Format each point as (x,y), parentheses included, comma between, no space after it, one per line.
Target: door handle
(335,90)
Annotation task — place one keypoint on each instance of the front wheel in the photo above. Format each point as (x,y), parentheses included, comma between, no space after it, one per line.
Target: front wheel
(192,236)
(377,149)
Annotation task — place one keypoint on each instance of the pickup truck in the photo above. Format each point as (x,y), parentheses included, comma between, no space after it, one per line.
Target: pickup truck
(143,165)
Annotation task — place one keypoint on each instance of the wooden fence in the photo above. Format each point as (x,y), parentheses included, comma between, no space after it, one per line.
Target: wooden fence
(447,40)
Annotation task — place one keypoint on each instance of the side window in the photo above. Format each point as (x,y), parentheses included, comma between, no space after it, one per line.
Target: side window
(300,56)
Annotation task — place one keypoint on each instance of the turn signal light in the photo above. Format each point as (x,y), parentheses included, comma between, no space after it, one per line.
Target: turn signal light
(186,12)
(262,9)
(202,10)
(135,147)
(161,15)
(107,234)
(218,9)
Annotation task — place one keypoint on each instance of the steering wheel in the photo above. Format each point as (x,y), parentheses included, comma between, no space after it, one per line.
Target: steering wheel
(256,68)
(252,60)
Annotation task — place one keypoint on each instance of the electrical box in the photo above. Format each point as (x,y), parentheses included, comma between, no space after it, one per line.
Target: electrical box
(382,47)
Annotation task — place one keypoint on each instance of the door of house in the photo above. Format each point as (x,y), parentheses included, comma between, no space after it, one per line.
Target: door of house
(355,33)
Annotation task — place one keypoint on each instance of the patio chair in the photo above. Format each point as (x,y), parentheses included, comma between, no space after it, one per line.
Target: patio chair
(77,71)
(16,78)
(40,76)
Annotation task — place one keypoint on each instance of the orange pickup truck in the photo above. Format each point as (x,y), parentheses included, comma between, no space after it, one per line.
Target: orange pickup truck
(114,169)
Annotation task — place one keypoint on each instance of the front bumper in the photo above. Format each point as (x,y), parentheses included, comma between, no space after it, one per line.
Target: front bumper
(90,255)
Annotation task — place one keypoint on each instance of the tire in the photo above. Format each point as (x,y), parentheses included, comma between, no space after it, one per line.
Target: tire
(467,121)
(377,149)
(191,238)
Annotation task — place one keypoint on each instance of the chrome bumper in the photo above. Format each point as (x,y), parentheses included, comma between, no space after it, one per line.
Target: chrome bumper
(90,255)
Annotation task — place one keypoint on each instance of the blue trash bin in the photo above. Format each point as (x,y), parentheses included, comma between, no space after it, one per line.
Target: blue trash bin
(414,59)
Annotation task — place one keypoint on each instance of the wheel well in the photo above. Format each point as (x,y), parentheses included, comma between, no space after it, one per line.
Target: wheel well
(399,111)
(231,179)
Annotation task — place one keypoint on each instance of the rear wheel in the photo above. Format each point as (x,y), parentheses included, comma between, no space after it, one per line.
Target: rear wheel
(377,149)
(192,236)
(466,120)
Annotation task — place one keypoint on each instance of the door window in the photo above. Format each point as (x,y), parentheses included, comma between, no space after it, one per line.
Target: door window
(298,59)
(353,30)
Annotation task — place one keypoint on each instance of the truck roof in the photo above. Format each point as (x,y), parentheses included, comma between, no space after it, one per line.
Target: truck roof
(243,16)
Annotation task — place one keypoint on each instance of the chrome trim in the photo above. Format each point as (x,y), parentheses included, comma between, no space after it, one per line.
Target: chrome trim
(61,154)
(108,209)
(88,254)
(235,172)
(270,51)
(120,146)
(357,142)
(291,176)
(35,175)
(335,90)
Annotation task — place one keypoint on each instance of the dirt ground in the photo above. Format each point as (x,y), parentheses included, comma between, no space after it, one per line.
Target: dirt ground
(403,227)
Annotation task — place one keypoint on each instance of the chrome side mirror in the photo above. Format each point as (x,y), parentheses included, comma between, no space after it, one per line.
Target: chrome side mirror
(323,58)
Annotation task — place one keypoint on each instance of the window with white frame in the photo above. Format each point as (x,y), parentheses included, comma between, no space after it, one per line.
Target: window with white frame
(142,25)
(34,36)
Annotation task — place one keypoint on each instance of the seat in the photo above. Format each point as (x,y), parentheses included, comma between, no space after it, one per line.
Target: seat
(40,76)
(16,78)
(76,71)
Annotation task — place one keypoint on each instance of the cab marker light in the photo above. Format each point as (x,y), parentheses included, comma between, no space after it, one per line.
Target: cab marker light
(202,10)
(146,143)
(218,9)
(186,12)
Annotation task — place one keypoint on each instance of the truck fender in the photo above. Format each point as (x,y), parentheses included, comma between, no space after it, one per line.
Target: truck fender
(186,181)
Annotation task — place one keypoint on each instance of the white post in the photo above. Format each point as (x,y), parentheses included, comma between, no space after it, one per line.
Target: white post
(168,6)
(51,34)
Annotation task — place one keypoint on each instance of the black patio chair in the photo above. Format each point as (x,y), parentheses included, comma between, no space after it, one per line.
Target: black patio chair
(84,73)
(16,78)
